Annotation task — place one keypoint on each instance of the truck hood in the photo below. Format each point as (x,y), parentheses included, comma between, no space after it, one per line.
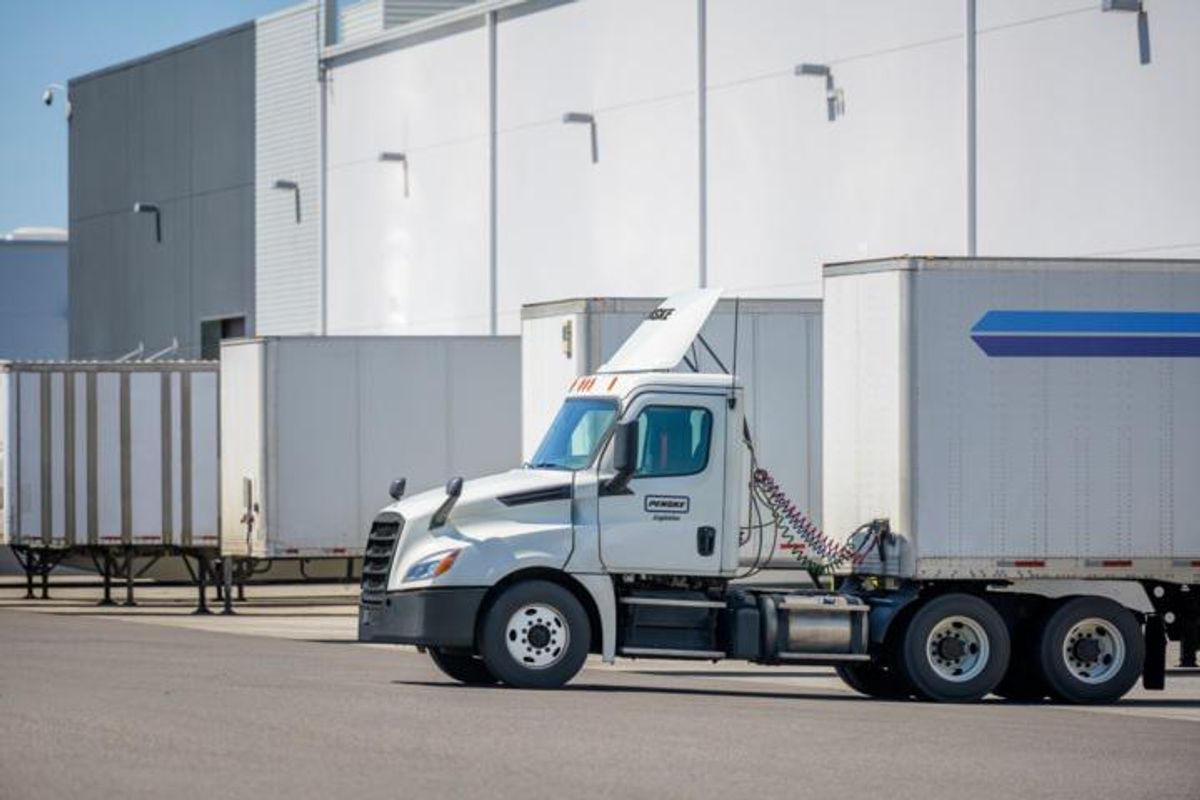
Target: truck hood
(487,495)
(499,523)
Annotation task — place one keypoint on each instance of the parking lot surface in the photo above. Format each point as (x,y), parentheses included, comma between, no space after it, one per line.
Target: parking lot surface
(279,701)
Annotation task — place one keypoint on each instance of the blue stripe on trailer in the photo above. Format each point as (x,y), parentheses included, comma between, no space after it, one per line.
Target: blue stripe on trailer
(1008,321)
(1090,346)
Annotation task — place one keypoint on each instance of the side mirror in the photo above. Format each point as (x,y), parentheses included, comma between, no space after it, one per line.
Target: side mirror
(396,489)
(625,449)
(454,488)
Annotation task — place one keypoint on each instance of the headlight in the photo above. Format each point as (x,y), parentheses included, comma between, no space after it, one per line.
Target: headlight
(431,567)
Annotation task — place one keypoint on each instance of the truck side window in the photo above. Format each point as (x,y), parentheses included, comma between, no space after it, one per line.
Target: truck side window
(673,441)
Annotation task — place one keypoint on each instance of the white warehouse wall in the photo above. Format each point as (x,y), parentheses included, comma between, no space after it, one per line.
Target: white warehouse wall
(415,263)
(1081,150)
(627,224)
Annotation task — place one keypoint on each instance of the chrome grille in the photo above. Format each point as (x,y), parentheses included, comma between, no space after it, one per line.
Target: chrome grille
(377,556)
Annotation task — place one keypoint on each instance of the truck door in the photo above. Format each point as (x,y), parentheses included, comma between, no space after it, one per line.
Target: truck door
(669,517)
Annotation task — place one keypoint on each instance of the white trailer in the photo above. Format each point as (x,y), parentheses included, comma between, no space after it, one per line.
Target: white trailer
(970,406)
(1017,418)
(313,430)
(107,460)
(778,361)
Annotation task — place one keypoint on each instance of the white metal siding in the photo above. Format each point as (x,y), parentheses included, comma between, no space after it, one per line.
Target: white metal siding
(359,20)
(398,12)
(287,147)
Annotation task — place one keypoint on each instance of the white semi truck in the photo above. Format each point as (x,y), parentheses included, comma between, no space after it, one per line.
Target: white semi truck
(1011,465)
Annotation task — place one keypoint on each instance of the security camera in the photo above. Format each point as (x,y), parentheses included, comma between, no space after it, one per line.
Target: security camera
(48,96)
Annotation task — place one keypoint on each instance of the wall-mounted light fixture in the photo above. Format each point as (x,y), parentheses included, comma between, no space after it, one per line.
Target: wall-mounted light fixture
(579,118)
(150,208)
(1143,23)
(835,101)
(48,97)
(397,158)
(294,188)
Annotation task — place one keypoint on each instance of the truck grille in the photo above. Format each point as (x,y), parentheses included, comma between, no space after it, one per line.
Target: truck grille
(377,557)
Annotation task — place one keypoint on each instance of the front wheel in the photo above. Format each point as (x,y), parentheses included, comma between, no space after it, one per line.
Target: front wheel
(1091,651)
(535,635)
(955,649)
(463,667)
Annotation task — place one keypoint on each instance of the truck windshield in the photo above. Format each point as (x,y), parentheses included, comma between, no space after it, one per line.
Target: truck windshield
(575,434)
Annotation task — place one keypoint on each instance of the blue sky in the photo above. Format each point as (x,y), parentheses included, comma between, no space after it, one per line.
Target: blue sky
(46,41)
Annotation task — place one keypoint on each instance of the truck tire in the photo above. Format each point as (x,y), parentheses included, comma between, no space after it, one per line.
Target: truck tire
(535,635)
(873,681)
(1023,682)
(463,667)
(1091,650)
(954,649)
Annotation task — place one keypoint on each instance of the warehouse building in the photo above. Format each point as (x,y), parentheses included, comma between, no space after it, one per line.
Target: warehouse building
(439,165)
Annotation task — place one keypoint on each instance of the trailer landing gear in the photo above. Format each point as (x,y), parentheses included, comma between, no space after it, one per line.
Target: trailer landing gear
(39,562)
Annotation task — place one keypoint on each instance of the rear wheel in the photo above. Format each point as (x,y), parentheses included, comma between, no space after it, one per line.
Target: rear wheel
(1023,682)
(873,681)
(955,648)
(463,667)
(535,635)
(1091,650)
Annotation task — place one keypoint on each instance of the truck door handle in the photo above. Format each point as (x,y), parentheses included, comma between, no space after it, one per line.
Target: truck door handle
(706,540)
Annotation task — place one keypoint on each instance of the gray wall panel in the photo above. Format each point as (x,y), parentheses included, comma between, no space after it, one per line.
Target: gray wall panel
(175,129)
(220,286)
(33,300)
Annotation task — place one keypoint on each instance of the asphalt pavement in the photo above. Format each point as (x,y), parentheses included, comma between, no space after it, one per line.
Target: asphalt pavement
(102,707)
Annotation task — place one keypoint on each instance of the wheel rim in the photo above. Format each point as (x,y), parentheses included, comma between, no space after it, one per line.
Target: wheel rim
(957,649)
(1093,650)
(537,636)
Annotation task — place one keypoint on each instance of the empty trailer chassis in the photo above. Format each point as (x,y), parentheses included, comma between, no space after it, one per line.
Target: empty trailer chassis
(117,563)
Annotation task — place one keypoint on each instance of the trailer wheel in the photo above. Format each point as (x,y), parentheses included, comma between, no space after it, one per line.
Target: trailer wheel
(1091,650)
(535,636)
(463,667)
(954,649)
(873,681)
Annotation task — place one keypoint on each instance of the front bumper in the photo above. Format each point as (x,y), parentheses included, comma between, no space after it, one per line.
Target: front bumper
(427,617)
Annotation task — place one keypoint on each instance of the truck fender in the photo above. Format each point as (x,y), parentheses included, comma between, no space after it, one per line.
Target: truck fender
(885,609)
(600,588)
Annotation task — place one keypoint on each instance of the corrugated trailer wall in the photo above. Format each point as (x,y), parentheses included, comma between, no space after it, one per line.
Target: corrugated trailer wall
(107,454)
(779,362)
(1011,417)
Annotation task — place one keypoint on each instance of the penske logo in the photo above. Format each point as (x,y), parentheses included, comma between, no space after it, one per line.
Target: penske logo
(667,504)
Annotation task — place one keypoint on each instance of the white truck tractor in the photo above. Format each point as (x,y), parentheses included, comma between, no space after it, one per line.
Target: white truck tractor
(625,536)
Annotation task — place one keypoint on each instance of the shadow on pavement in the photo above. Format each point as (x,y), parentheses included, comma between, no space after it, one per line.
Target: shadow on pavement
(664,690)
